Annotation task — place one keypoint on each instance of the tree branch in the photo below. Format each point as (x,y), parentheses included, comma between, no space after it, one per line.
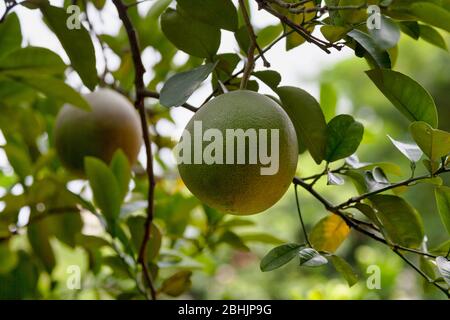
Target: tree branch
(389,187)
(354,223)
(139,104)
(250,65)
(156,95)
(251,33)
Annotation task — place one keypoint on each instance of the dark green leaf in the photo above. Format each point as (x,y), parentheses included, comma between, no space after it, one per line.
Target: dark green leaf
(432,14)
(10,35)
(105,189)
(137,229)
(221,14)
(377,55)
(76,42)
(279,256)
(38,236)
(32,60)
(177,284)
(411,28)
(308,119)
(344,135)
(54,88)
(180,87)
(197,38)
(401,221)
(432,36)
(388,35)
(408,96)
(443,203)
(122,171)
(269,77)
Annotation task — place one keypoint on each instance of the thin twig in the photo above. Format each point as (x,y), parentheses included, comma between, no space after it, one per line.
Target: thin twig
(423,274)
(139,103)
(238,73)
(156,95)
(305,234)
(250,65)
(251,33)
(355,223)
(387,188)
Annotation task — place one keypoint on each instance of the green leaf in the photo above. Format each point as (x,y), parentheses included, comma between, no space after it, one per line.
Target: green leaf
(32,60)
(122,171)
(441,249)
(136,226)
(10,35)
(220,14)
(388,35)
(408,149)
(271,78)
(345,270)
(344,135)
(431,35)
(197,38)
(105,189)
(311,258)
(378,56)
(279,256)
(54,88)
(411,28)
(8,258)
(77,43)
(19,159)
(261,238)
(308,119)
(177,284)
(401,221)
(408,96)
(444,268)
(328,100)
(334,33)
(268,34)
(181,86)
(443,203)
(231,238)
(369,213)
(38,236)
(329,233)
(432,14)
(433,142)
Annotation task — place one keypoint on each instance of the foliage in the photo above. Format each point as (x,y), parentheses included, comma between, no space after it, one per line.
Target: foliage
(139,233)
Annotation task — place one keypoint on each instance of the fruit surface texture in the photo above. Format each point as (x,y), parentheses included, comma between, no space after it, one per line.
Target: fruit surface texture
(111,124)
(241,188)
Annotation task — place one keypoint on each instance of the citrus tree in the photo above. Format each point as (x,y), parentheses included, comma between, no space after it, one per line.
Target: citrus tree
(71,173)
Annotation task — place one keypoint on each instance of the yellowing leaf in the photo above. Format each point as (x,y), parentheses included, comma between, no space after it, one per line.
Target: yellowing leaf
(329,233)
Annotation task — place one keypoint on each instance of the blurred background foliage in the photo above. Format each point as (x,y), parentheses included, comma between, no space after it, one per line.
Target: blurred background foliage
(202,254)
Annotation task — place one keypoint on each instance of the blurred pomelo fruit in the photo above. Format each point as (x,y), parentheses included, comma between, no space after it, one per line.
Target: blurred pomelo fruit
(112,124)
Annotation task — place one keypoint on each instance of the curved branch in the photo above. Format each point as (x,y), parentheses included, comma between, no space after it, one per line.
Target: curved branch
(139,104)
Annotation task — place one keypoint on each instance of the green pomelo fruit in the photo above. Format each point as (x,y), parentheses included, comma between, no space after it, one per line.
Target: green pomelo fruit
(240,188)
(112,124)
